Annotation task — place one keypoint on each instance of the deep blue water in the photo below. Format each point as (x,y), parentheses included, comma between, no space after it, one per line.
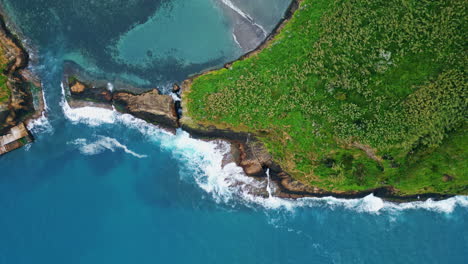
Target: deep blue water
(99,187)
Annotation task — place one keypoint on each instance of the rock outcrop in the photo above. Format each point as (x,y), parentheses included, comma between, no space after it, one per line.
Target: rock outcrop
(254,158)
(82,91)
(22,105)
(150,106)
(247,151)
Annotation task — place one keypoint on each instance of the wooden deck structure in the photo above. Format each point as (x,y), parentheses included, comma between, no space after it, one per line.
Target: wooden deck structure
(17,137)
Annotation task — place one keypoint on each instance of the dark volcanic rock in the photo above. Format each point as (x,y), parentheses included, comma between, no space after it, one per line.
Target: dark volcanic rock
(175,88)
(82,91)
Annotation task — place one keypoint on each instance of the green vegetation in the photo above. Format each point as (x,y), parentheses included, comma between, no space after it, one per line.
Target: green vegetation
(4,91)
(354,94)
(72,79)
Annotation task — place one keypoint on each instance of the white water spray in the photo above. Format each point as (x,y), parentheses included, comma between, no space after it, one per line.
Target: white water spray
(268,187)
(41,124)
(203,162)
(110,87)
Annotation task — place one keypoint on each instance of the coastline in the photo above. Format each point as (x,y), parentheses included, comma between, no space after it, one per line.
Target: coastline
(289,188)
(26,101)
(247,151)
(82,90)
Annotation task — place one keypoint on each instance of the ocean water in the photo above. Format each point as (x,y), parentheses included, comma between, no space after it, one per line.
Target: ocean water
(102,187)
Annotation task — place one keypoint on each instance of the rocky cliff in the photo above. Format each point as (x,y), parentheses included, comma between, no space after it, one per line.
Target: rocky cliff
(21,103)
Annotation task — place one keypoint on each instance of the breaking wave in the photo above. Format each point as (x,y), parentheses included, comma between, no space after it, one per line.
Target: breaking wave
(243,14)
(92,116)
(203,163)
(41,124)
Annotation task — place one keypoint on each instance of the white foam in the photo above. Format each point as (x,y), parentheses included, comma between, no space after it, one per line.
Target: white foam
(41,124)
(175,97)
(110,87)
(268,187)
(237,10)
(235,40)
(372,204)
(44,101)
(243,14)
(443,206)
(228,184)
(92,116)
(203,162)
(103,143)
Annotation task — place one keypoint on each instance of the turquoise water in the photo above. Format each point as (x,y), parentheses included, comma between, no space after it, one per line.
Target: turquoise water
(193,30)
(100,187)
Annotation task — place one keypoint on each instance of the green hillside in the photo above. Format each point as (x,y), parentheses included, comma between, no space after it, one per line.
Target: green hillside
(354,94)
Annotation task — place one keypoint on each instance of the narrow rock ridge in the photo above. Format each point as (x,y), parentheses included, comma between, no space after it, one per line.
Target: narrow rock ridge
(151,106)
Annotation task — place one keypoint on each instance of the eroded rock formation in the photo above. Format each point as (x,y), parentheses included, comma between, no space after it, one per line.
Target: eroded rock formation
(150,106)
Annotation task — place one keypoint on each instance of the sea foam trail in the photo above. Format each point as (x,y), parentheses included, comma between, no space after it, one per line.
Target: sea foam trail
(235,40)
(41,124)
(103,143)
(243,14)
(202,161)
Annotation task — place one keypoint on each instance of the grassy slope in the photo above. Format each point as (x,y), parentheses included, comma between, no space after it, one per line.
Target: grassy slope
(387,74)
(4,91)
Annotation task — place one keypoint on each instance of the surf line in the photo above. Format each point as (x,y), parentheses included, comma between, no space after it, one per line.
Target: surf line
(246,16)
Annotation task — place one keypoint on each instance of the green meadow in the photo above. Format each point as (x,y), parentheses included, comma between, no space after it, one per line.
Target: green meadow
(354,94)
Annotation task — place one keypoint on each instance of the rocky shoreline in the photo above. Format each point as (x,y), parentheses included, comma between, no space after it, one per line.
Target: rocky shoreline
(252,156)
(255,160)
(166,111)
(25,101)
(151,106)
(247,152)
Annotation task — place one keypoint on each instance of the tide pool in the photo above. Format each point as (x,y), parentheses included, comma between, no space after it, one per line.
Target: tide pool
(101,187)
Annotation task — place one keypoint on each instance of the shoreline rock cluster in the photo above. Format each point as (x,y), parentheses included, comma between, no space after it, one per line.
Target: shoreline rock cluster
(248,147)
(24,104)
(151,106)
(247,152)
(166,111)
